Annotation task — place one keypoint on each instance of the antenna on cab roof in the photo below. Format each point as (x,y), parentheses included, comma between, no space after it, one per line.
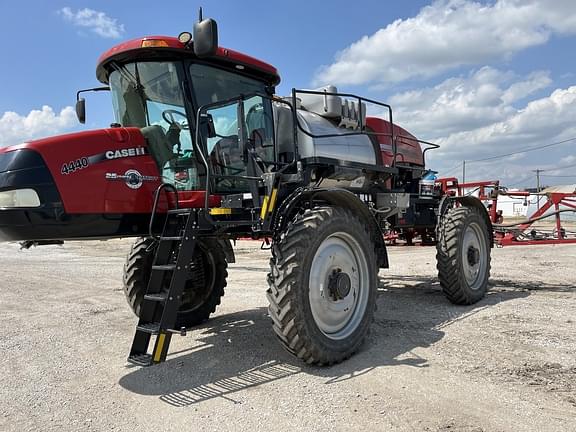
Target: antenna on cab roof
(205,36)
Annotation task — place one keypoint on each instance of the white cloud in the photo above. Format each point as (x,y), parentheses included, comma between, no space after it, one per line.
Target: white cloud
(519,90)
(568,160)
(486,113)
(95,21)
(543,121)
(461,103)
(16,128)
(449,34)
(540,121)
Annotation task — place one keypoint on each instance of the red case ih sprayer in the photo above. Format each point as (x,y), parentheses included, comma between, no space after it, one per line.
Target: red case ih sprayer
(202,153)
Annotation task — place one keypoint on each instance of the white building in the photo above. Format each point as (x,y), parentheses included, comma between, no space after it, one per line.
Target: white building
(516,206)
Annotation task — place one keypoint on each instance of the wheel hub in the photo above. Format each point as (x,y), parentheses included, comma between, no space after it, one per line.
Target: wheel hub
(338,280)
(339,285)
(473,255)
(474,251)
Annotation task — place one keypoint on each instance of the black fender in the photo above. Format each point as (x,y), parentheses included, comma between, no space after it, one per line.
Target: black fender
(447,202)
(308,197)
(226,246)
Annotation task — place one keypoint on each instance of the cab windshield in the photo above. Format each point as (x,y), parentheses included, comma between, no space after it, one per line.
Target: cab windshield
(148,95)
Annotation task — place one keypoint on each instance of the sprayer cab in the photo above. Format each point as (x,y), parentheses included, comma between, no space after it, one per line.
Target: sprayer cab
(101,183)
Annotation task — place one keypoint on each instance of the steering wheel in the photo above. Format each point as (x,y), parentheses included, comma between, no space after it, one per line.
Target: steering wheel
(168,116)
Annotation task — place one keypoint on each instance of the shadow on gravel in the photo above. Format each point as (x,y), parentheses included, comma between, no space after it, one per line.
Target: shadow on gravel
(238,351)
(533,286)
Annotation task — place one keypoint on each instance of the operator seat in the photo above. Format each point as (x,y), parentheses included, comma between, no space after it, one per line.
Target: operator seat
(226,156)
(158,144)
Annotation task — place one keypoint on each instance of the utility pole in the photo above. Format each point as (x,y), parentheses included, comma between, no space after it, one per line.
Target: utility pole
(538,171)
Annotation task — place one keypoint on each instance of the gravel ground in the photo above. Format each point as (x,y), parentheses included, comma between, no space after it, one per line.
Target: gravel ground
(505,364)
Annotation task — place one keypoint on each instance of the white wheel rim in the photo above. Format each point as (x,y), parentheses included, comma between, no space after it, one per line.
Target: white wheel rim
(339,314)
(474,249)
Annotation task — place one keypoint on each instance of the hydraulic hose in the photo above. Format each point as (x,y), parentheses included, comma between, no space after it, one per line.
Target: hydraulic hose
(532,220)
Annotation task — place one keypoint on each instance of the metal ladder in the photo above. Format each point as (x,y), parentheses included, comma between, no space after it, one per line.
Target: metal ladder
(167,282)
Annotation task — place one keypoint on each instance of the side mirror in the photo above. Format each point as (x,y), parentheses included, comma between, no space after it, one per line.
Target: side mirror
(205,38)
(81,110)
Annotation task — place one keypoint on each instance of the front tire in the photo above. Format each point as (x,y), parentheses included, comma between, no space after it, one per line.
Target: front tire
(204,287)
(322,285)
(463,255)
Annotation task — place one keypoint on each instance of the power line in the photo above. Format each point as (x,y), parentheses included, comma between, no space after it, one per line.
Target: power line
(454,168)
(527,149)
(521,181)
(460,165)
(559,168)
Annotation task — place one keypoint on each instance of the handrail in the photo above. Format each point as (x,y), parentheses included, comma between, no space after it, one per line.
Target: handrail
(155,205)
(202,109)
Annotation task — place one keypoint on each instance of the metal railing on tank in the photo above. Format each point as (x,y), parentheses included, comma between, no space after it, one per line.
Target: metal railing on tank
(362,128)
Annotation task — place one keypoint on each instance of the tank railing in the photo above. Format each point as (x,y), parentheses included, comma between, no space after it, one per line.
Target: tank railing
(197,141)
(361,126)
(431,146)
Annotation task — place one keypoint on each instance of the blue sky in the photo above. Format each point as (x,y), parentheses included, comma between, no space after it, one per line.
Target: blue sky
(481,78)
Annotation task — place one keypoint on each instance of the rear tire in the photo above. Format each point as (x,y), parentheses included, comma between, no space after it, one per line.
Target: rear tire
(463,255)
(204,288)
(322,285)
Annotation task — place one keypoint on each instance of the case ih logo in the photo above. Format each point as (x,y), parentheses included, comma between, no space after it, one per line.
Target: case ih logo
(129,152)
(83,162)
(132,178)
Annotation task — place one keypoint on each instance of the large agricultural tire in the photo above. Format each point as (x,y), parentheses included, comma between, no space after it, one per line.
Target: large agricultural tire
(323,283)
(208,270)
(463,255)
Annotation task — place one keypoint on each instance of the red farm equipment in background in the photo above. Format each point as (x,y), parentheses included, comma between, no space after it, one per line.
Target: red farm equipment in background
(551,204)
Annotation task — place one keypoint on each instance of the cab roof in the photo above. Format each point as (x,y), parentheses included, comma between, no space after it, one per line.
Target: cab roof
(157,47)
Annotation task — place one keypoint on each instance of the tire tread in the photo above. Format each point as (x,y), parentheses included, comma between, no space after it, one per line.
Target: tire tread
(287,313)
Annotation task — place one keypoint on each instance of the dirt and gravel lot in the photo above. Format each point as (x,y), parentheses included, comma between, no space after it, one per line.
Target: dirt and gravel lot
(505,364)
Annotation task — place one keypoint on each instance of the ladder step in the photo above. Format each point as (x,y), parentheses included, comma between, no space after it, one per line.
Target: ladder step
(141,359)
(152,328)
(164,267)
(182,212)
(158,297)
(173,238)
